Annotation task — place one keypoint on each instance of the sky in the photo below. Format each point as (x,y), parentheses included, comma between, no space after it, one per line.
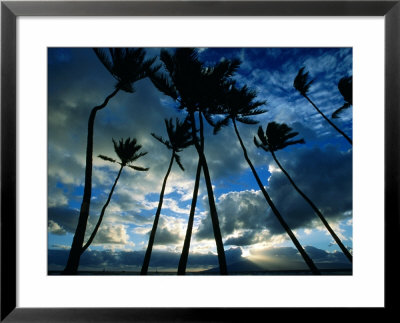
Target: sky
(252,236)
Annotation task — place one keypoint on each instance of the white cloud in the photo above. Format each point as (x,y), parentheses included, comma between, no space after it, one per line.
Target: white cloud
(55,228)
(111,234)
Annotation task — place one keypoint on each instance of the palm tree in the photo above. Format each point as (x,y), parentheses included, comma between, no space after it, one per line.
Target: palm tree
(277,136)
(188,236)
(196,87)
(186,244)
(302,85)
(179,138)
(345,87)
(127,66)
(128,152)
(240,106)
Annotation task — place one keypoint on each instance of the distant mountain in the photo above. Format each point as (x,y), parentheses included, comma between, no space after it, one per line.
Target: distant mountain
(248,267)
(240,266)
(335,265)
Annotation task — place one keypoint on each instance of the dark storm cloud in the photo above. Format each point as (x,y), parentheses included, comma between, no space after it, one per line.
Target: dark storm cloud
(65,217)
(247,238)
(322,174)
(164,237)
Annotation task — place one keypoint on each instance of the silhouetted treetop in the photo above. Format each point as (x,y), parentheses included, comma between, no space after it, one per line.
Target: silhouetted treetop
(238,104)
(194,85)
(126,65)
(179,135)
(345,87)
(301,82)
(276,137)
(128,152)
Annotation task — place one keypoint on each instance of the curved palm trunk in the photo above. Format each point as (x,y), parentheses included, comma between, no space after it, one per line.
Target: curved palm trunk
(75,252)
(213,210)
(305,256)
(88,243)
(329,121)
(316,210)
(147,256)
(186,245)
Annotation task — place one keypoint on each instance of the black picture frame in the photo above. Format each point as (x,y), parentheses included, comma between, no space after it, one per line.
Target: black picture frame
(10,10)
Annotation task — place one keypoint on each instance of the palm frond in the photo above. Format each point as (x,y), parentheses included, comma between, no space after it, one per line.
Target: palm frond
(161,82)
(162,140)
(196,87)
(277,136)
(104,59)
(221,123)
(128,150)
(178,161)
(127,65)
(261,136)
(345,87)
(246,120)
(335,115)
(208,116)
(137,156)
(138,168)
(301,82)
(259,144)
(254,112)
(168,61)
(107,158)
(241,104)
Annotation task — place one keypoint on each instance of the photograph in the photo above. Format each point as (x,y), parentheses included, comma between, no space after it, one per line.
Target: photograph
(200,161)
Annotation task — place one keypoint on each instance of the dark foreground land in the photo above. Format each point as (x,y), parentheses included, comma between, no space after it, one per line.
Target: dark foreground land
(325,272)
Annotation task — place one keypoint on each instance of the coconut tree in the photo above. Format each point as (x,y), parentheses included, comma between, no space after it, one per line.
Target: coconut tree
(188,236)
(126,65)
(196,87)
(345,87)
(276,137)
(179,137)
(302,84)
(186,244)
(127,152)
(240,106)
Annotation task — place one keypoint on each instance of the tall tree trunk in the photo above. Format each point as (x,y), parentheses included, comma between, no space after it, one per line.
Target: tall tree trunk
(147,256)
(75,252)
(316,210)
(186,245)
(102,213)
(329,121)
(213,210)
(305,256)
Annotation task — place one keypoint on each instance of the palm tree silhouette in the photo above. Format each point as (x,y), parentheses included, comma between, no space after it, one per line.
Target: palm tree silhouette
(302,85)
(186,244)
(179,137)
(128,152)
(126,65)
(345,87)
(196,87)
(240,106)
(276,137)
